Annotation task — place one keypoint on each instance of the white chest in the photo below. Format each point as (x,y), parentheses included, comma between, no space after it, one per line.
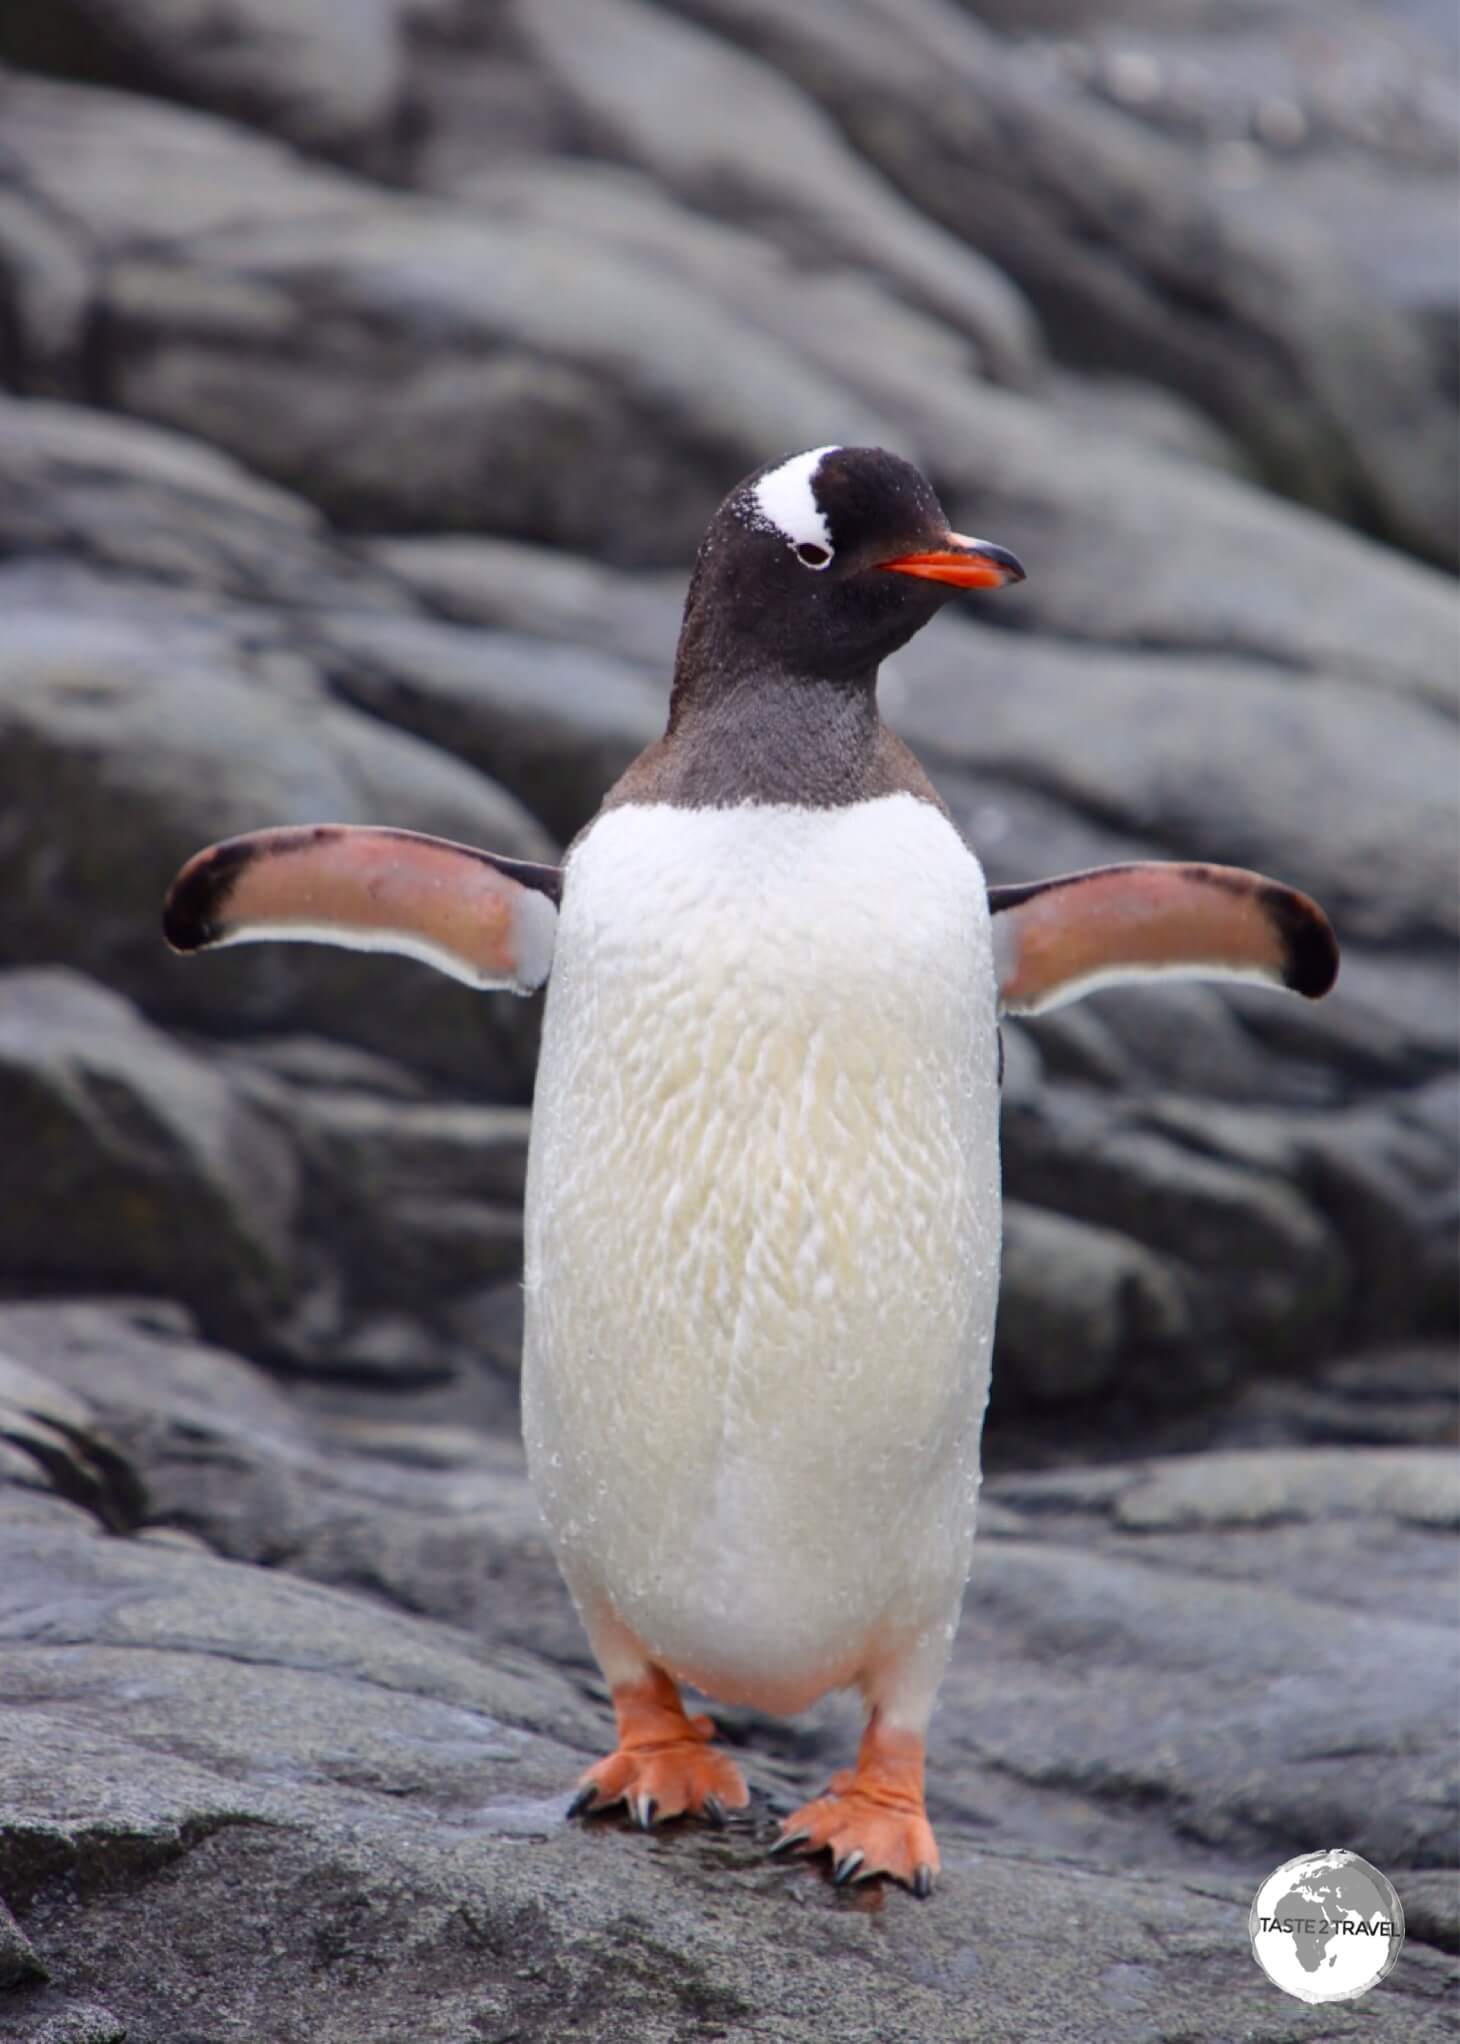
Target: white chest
(762,1225)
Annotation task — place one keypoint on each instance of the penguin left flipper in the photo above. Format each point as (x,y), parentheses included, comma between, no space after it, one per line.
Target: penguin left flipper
(483,919)
(1056,940)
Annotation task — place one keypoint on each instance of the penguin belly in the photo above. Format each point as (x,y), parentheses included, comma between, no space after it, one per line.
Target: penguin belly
(763,1236)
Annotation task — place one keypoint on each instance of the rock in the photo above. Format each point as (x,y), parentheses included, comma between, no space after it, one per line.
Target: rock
(324,73)
(84,487)
(1264,1488)
(135,731)
(1378,847)
(141,1167)
(1128,255)
(1125,543)
(1400,1397)
(570,402)
(44,289)
(417,1208)
(1079,1303)
(1314,1582)
(1385,1182)
(664,95)
(132,172)
(19,1965)
(212,1773)
(595,389)
(370,496)
(1355,133)
(557,724)
(344,1490)
(1145,412)
(51,1444)
(1267,1274)
(543,592)
(475,102)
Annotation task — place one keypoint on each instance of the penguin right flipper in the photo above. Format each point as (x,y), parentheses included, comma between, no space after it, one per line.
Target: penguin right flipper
(487,920)
(1056,940)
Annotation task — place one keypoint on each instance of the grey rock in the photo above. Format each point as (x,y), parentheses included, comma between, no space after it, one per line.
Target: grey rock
(564,398)
(294,1694)
(1127,255)
(18,1962)
(596,389)
(325,73)
(1146,412)
(1257,1489)
(1268,1273)
(1355,129)
(665,95)
(541,591)
(44,289)
(416,1209)
(1077,1304)
(88,488)
(1345,1627)
(476,102)
(57,2019)
(135,732)
(1125,542)
(141,1168)
(1332,784)
(201,1757)
(557,724)
(122,171)
(1432,1909)
(1380,1396)
(49,1443)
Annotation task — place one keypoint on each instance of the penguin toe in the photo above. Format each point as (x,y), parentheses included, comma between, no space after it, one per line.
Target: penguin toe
(672,1778)
(867,1835)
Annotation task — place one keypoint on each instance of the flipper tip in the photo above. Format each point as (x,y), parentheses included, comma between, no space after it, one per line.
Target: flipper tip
(1310,949)
(191,912)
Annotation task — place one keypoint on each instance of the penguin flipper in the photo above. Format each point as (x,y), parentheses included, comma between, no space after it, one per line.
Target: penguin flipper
(1056,940)
(488,921)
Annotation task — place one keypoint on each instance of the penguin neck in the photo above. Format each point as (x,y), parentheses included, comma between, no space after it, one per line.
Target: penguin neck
(769,735)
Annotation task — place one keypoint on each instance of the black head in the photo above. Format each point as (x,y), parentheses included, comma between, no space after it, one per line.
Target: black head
(818,566)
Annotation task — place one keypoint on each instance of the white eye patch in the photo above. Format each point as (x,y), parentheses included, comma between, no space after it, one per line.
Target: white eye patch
(785,500)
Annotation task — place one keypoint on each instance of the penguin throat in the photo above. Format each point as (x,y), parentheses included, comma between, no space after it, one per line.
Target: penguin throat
(759,737)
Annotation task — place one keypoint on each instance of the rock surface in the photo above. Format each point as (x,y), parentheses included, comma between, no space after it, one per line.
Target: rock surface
(191,653)
(292,1707)
(367,374)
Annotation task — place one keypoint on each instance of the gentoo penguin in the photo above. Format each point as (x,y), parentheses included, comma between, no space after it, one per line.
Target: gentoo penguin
(763,1187)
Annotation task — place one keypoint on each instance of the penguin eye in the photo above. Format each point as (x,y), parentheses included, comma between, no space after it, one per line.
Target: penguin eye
(811,555)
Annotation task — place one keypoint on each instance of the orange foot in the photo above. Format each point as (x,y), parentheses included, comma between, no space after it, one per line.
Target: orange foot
(871,1818)
(662,1766)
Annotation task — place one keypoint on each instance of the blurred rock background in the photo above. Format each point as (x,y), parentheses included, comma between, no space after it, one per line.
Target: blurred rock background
(368,370)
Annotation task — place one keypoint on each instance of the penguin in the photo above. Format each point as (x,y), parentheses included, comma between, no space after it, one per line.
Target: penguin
(763,1206)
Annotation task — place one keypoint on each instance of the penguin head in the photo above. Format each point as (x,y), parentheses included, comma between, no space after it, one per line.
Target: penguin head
(824,563)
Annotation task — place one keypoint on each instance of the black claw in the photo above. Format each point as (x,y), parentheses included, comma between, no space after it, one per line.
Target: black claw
(713,1811)
(922,1881)
(846,1868)
(586,1797)
(788,1841)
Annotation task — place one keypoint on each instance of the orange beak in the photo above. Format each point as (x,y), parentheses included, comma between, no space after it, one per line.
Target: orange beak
(967,563)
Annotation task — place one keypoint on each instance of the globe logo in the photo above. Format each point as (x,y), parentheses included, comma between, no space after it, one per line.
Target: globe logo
(1326,1926)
